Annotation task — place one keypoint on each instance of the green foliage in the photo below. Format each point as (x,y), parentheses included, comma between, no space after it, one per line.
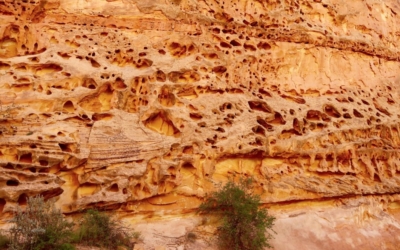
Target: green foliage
(99,229)
(244,225)
(40,226)
(4,241)
(67,246)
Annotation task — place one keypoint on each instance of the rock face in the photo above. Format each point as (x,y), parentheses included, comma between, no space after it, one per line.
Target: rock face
(144,106)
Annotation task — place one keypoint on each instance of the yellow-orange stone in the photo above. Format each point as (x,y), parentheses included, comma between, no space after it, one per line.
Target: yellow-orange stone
(142,107)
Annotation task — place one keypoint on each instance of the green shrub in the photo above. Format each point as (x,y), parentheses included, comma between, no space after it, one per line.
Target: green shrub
(244,225)
(4,241)
(67,246)
(99,229)
(40,226)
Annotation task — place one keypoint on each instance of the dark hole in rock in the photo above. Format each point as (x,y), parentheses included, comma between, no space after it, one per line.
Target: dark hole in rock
(22,199)
(12,183)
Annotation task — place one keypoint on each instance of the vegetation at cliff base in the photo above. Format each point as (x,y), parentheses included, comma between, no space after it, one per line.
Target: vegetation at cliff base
(244,226)
(99,229)
(4,241)
(41,226)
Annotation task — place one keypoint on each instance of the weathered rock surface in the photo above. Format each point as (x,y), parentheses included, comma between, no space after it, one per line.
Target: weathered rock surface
(144,106)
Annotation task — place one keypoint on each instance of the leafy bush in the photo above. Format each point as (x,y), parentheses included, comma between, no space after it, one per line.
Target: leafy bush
(40,226)
(244,224)
(67,246)
(4,241)
(99,229)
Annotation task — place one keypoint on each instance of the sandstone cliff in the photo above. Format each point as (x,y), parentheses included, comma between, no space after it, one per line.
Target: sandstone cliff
(144,106)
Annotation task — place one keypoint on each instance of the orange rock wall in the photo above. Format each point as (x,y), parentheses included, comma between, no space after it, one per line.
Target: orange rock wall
(145,106)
